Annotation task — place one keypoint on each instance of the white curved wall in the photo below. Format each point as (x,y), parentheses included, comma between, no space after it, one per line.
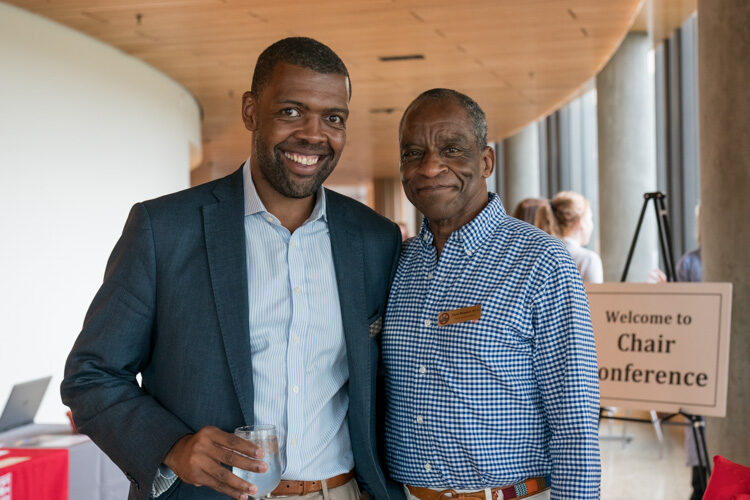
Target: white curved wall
(85,131)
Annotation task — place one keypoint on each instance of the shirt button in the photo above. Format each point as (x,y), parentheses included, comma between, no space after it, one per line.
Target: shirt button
(297,289)
(293,442)
(423,369)
(293,244)
(429,276)
(428,466)
(296,339)
(269,218)
(426,237)
(427,322)
(295,389)
(469,251)
(420,419)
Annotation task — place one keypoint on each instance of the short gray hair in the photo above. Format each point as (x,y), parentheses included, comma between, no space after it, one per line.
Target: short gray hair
(478,118)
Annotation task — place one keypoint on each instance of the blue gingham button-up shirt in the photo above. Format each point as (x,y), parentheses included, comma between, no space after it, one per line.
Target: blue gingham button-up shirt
(513,395)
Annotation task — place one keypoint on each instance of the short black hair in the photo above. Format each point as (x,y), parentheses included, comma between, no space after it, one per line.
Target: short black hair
(299,51)
(478,118)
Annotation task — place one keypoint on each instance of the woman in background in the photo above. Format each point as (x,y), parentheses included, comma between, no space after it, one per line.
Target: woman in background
(527,210)
(570,218)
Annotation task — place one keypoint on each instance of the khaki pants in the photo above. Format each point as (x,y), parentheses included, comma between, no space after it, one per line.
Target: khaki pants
(348,491)
(544,495)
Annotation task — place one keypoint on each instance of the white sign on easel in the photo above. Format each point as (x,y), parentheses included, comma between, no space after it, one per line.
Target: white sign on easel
(663,346)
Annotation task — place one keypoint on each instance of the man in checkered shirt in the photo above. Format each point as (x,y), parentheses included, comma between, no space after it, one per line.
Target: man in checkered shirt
(489,354)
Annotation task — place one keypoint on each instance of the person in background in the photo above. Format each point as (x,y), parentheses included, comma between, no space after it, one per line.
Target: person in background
(528,211)
(689,267)
(570,217)
(404,230)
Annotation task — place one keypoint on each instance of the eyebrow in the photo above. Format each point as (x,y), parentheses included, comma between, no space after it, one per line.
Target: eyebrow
(455,139)
(460,139)
(343,111)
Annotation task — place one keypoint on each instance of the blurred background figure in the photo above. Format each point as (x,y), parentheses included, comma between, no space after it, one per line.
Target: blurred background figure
(404,230)
(527,208)
(528,211)
(569,217)
(689,267)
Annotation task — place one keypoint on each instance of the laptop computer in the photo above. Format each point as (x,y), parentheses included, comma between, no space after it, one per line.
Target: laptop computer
(23,403)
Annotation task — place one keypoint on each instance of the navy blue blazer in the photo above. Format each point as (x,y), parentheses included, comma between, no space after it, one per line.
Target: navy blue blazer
(174,307)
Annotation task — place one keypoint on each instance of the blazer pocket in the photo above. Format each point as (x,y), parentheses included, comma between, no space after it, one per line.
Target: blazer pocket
(376,327)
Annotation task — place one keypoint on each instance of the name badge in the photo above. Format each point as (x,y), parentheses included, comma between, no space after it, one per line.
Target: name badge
(471,313)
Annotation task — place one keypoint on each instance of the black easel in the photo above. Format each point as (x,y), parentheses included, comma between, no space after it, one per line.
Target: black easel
(665,234)
(697,422)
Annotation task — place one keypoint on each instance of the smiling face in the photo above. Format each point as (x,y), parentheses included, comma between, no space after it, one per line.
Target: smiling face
(443,169)
(299,128)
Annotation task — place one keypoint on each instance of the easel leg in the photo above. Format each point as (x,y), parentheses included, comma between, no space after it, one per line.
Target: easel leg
(702,435)
(699,436)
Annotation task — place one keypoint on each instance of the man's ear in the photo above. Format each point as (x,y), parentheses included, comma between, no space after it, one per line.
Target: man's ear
(488,161)
(250,111)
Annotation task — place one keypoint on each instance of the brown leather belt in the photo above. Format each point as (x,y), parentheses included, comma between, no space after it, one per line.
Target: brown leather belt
(525,489)
(301,488)
(430,494)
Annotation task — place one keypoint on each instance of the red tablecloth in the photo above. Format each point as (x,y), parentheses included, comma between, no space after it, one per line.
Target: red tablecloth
(44,475)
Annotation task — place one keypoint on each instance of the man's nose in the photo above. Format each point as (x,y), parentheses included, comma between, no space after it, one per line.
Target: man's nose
(311,130)
(432,165)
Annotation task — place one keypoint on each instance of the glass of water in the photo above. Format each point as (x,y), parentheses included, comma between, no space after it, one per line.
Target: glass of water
(265,437)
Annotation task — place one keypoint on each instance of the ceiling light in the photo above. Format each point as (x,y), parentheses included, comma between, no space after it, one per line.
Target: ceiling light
(407,57)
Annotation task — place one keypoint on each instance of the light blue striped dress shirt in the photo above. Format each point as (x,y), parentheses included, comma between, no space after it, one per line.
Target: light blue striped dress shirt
(298,350)
(300,370)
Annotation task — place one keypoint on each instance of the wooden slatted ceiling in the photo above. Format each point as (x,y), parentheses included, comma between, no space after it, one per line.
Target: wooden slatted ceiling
(520,59)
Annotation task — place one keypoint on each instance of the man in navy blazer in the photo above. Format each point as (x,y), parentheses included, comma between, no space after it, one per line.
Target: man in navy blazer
(200,298)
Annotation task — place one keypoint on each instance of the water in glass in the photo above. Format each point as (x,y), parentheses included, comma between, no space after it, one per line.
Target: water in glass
(265,437)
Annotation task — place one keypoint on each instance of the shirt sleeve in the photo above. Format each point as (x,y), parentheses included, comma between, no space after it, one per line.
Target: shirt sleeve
(565,363)
(164,480)
(595,272)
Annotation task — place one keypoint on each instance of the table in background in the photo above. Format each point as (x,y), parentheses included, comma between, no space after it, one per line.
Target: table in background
(91,474)
(33,474)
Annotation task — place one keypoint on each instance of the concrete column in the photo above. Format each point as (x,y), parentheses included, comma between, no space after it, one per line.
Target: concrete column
(723,75)
(627,159)
(521,176)
(388,197)
(389,200)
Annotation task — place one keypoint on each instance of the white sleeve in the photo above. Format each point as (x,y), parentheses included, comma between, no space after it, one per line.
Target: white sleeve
(592,270)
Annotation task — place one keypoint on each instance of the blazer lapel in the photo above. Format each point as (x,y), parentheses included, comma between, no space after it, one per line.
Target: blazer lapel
(224,229)
(348,260)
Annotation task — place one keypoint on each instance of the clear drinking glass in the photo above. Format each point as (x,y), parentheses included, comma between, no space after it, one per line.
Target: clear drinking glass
(265,437)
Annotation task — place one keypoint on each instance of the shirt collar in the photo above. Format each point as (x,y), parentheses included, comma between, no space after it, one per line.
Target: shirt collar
(254,205)
(472,234)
